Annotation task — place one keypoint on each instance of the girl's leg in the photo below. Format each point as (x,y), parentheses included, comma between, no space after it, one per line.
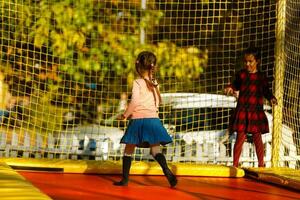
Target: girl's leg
(155,149)
(238,148)
(129,149)
(259,147)
(160,158)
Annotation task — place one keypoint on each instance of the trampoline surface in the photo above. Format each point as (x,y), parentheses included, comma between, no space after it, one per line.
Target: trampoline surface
(62,186)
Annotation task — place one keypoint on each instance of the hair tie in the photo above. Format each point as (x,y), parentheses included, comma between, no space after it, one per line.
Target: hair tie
(154,82)
(137,62)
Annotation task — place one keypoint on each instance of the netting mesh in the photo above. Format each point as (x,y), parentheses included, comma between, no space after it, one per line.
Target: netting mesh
(291,83)
(67,69)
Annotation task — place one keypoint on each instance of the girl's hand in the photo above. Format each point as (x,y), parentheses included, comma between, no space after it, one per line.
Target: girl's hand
(121,117)
(274,102)
(236,94)
(228,91)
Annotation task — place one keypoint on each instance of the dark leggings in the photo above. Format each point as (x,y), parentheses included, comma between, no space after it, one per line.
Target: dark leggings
(259,147)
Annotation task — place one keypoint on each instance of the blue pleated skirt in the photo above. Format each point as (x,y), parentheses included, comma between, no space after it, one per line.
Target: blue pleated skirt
(145,132)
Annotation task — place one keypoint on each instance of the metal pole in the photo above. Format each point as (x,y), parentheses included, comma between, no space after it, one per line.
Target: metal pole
(142,29)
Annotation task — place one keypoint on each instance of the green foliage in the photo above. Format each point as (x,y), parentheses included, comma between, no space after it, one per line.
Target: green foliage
(89,37)
(82,42)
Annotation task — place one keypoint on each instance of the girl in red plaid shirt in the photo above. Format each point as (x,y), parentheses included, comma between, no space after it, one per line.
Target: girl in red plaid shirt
(249,116)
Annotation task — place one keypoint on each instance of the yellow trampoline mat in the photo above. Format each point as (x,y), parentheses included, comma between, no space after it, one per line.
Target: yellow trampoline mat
(280,176)
(14,186)
(114,167)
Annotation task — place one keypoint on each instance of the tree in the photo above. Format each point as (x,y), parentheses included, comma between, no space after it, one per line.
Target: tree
(66,46)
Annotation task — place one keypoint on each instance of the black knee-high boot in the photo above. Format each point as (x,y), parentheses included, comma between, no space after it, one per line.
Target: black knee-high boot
(160,158)
(126,168)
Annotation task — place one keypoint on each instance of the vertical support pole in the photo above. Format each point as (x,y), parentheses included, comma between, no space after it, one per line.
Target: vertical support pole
(142,29)
(279,81)
(4,93)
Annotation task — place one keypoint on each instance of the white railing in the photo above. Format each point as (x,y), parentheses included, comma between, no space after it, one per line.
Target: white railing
(204,148)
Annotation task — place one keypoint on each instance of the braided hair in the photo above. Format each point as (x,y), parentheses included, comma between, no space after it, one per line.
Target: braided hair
(146,62)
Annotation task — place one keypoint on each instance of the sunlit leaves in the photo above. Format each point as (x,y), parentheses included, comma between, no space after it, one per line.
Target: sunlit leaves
(87,37)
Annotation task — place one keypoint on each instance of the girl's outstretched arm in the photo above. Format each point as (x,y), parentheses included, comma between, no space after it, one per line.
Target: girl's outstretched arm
(232,88)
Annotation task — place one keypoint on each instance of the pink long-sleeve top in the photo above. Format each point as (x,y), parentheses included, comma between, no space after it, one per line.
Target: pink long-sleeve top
(142,104)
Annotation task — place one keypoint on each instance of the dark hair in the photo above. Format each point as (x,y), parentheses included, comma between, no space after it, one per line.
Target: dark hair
(146,62)
(253,51)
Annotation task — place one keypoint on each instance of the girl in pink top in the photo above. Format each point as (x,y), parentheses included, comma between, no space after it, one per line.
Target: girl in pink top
(145,128)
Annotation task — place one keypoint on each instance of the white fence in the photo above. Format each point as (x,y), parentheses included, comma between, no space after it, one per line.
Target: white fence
(204,148)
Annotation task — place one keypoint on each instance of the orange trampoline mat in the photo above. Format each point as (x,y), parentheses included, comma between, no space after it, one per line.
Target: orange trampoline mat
(82,186)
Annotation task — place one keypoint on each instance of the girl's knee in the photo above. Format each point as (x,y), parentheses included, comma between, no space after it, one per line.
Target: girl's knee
(129,149)
(155,149)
